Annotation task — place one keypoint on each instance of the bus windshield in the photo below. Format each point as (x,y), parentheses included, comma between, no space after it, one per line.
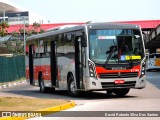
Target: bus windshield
(115,46)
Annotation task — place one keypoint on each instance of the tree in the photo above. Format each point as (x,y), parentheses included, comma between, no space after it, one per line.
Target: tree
(35,29)
(15,45)
(3,32)
(3,29)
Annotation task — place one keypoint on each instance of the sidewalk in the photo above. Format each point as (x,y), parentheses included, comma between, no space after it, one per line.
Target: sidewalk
(29,114)
(12,83)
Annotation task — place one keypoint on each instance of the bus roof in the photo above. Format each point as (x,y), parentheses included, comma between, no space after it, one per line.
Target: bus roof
(112,26)
(55,31)
(89,26)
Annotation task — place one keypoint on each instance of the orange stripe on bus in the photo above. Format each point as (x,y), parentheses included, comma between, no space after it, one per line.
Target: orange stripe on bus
(103,70)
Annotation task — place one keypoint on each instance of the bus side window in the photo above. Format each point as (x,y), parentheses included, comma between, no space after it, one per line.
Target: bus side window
(60,39)
(68,38)
(45,47)
(69,43)
(59,44)
(41,46)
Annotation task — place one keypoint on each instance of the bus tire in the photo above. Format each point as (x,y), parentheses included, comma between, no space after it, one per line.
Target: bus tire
(72,87)
(43,89)
(121,92)
(109,92)
(50,90)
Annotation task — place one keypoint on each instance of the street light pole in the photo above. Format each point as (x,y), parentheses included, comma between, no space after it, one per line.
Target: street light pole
(4,12)
(24,32)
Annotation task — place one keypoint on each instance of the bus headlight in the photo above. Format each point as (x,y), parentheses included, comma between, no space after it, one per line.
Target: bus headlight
(143,71)
(91,69)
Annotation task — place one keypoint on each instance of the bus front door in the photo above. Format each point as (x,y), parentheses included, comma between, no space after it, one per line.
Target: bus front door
(78,63)
(31,64)
(53,60)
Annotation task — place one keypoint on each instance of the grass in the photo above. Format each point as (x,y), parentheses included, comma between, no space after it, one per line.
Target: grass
(27,104)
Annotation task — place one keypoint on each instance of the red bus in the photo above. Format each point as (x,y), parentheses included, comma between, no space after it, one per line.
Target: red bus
(89,57)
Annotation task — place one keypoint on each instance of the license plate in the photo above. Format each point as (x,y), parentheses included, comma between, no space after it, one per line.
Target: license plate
(119,81)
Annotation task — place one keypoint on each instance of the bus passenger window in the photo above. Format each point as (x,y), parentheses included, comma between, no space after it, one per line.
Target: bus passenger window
(41,46)
(45,47)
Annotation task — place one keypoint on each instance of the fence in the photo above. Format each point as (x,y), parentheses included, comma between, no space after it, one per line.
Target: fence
(12,68)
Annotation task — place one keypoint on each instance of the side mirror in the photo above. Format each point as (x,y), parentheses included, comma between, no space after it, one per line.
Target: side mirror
(136,36)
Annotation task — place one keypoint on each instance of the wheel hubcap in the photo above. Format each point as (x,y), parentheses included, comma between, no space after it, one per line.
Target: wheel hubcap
(73,87)
(42,86)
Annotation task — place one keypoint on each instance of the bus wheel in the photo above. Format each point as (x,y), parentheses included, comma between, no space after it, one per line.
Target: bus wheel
(121,92)
(72,87)
(41,84)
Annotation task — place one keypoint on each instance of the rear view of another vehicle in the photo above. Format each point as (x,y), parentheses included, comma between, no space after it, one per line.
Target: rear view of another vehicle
(153,62)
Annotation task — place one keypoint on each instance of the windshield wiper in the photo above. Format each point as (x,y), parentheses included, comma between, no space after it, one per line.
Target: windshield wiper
(111,51)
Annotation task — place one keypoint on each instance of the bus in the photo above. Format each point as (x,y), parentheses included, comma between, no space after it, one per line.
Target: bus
(91,57)
(153,61)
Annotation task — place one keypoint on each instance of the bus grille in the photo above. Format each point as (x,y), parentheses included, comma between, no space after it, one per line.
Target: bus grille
(118,75)
(127,84)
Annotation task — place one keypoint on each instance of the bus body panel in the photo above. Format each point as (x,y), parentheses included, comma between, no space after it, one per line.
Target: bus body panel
(113,75)
(65,56)
(99,84)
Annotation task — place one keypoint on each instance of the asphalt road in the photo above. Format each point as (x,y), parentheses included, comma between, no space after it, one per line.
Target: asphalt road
(147,99)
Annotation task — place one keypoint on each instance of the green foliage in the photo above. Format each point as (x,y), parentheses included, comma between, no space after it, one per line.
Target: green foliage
(42,30)
(15,34)
(36,25)
(3,29)
(15,45)
(35,29)
(21,30)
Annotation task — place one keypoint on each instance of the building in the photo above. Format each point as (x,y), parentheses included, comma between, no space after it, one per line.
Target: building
(14,14)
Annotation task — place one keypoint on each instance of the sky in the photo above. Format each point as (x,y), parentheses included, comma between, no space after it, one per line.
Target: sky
(57,11)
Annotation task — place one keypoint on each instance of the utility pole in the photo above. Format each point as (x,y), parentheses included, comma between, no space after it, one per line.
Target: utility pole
(24,32)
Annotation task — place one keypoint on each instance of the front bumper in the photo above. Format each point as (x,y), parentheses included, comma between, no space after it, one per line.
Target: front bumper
(92,84)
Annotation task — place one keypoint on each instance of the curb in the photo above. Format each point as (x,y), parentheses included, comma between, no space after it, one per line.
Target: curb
(43,112)
(57,108)
(12,84)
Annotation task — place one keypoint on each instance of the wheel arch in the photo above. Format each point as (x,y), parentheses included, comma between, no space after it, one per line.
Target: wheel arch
(68,75)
